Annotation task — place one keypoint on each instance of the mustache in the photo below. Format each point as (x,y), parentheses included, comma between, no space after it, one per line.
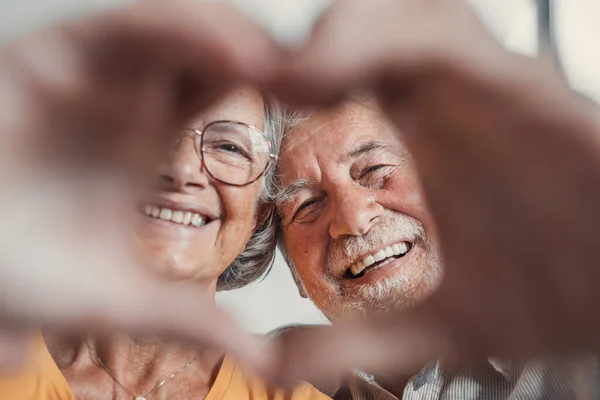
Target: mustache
(390,228)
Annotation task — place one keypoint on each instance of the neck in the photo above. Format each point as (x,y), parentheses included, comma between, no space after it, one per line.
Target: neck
(209,292)
(138,363)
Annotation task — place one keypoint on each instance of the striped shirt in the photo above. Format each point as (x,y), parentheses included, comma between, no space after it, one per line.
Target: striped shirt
(552,379)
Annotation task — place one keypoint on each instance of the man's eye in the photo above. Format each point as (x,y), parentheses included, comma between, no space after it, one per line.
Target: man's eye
(302,209)
(372,168)
(374,176)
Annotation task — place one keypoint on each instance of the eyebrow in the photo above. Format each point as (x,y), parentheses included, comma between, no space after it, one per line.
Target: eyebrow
(285,194)
(365,148)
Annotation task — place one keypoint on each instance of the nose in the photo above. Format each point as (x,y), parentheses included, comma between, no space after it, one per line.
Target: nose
(183,168)
(354,210)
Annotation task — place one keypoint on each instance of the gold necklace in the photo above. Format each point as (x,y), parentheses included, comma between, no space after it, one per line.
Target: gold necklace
(98,362)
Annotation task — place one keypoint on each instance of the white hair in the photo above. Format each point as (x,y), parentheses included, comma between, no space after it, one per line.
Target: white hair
(399,291)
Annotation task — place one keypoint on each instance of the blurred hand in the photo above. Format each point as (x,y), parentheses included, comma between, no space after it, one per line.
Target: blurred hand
(84,110)
(509,159)
(484,126)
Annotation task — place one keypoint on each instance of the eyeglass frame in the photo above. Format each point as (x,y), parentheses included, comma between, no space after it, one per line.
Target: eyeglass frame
(200,150)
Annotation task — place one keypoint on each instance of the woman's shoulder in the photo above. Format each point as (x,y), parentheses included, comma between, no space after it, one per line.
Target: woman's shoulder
(38,378)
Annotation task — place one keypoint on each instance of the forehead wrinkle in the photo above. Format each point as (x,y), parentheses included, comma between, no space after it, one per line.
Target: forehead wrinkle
(291,140)
(315,125)
(308,133)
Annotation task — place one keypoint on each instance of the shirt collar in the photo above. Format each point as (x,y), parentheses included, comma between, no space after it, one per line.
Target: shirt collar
(432,371)
(503,367)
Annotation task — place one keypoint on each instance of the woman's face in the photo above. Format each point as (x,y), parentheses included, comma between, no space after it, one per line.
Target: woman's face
(200,253)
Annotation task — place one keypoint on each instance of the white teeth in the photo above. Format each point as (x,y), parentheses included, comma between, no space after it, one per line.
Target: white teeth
(380,255)
(197,220)
(393,250)
(177,217)
(403,248)
(165,214)
(386,262)
(187,218)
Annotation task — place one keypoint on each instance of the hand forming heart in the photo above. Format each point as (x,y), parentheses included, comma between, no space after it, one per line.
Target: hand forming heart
(507,155)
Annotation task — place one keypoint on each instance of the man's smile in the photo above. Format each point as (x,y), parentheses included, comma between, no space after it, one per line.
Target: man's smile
(377,259)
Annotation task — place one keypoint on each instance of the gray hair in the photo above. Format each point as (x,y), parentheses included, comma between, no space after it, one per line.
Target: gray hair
(257,258)
(292,119)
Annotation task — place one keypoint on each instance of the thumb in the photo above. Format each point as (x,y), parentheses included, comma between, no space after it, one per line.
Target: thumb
(402,342)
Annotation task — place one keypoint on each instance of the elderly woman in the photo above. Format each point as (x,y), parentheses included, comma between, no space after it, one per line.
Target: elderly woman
(198,224)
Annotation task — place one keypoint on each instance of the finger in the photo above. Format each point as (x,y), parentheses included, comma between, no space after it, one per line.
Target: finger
(85,274)
(177,312)
(346,51)
(196,35)
(211,45)
(134,74)
(400,343)
(412,39)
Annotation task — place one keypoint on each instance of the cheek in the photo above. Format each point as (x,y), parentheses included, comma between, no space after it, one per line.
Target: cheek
(406,196)
(239,205)
(307,252)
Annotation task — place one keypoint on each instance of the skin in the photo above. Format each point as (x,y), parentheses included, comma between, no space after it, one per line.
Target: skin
(183,181)
(349,207)
(508,157)
(85,106)
(190,255)
(470,110)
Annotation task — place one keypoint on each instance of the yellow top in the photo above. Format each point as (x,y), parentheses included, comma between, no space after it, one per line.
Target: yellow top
(42,380)
(39,379)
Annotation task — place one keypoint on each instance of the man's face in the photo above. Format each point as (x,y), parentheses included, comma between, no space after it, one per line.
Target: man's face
(355,224)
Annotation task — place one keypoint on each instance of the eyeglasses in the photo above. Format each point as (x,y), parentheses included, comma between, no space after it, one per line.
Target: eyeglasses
(232,152)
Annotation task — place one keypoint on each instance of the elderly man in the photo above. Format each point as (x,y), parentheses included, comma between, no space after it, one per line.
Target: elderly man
(359,238)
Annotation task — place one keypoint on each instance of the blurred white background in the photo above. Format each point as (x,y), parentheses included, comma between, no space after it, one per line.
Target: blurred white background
(275,301)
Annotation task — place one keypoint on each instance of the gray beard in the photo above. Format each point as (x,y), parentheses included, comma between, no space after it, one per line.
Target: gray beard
(394,293)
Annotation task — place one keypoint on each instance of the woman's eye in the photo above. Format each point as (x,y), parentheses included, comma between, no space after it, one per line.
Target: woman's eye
(232,152)
(230,148)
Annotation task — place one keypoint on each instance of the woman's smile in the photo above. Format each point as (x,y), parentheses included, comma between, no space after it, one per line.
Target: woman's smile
(185,214)
(180,217)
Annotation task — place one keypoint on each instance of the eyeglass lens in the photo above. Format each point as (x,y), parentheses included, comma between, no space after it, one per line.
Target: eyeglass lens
(234,153)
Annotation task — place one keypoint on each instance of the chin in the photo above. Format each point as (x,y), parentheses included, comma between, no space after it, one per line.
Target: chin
(397,294)
(177,270)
